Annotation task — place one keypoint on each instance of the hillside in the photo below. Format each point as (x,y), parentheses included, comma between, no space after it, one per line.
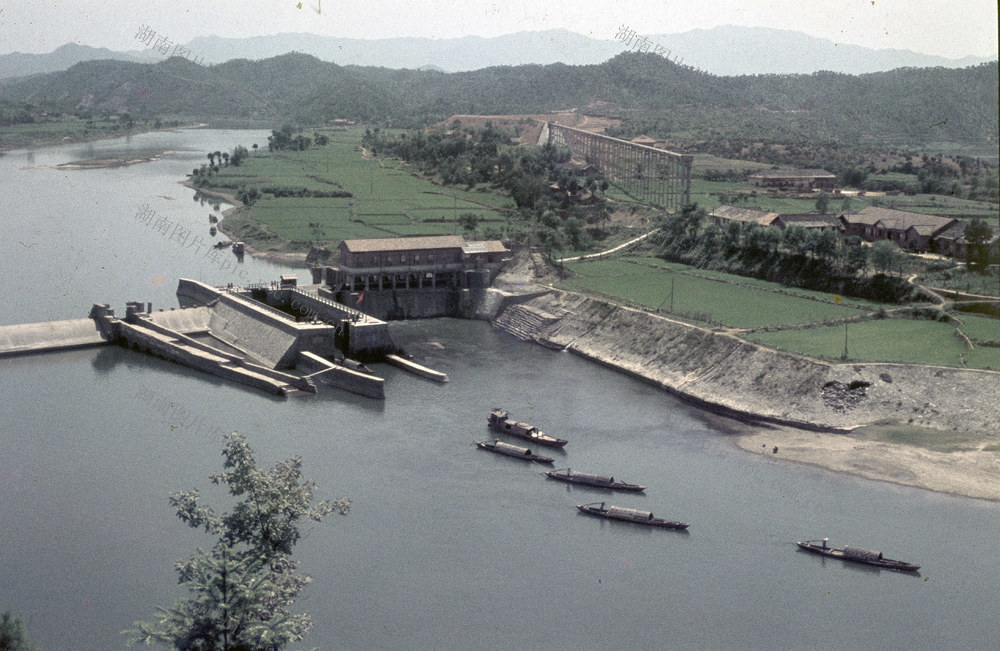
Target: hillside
(723,50)
(909,105)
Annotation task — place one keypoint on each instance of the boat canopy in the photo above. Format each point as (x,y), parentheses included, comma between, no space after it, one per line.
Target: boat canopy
(586,476)
(512,448)
(862,554)
(633,514)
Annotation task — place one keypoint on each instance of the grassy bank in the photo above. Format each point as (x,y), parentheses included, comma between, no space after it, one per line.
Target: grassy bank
(792,319)
(382,201)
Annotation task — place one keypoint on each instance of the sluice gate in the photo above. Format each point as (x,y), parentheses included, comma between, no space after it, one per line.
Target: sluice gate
(655,176)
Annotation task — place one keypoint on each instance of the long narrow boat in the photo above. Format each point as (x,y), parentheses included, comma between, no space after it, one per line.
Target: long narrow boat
(629,515)
(598,481)
(857,555)
(512,451)
(500,420)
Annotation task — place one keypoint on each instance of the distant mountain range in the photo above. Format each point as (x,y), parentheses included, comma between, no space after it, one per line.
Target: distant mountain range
(658,97)
(725,51)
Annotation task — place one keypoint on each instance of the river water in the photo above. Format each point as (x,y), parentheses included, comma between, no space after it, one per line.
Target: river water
(447,546)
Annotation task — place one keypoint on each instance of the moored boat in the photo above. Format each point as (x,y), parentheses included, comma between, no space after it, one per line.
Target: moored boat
(500,420)
(629,515)
(512,451)
(857,555)
(587,479)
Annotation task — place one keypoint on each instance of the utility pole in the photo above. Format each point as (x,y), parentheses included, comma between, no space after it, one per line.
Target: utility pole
(843,356)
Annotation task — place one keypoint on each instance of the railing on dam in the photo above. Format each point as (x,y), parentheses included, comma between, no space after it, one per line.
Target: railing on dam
(352,313)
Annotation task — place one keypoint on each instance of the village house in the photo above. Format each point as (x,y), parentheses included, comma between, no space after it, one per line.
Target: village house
(810,221)
(794,180)
(951,241)
(910,230)
(439,261)
(723,215)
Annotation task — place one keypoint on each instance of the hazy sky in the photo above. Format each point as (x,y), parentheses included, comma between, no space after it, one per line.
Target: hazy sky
(952,29)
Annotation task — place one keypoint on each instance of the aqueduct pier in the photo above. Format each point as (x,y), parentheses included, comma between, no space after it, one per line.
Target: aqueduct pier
(655,176)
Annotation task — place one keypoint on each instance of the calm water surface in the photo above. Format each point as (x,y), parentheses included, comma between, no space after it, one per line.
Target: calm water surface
(447,546)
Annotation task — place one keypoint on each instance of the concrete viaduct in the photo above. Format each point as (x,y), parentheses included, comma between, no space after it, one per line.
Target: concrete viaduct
(655,176)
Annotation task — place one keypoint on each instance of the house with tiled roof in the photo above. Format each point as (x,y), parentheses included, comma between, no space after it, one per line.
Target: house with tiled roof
(810,221)
(723,215)
(951,241)
(797,180)
(437,261)
(910,230)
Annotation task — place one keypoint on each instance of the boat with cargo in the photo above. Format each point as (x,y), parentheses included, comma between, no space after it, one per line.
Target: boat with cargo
(856,555)
(509,450)
(597,481)
(629,515)
(501,421)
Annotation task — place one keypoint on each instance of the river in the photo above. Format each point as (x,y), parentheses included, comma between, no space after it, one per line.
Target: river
(446,546)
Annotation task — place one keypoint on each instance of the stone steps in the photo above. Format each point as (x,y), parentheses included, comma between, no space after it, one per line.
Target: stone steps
(524,322)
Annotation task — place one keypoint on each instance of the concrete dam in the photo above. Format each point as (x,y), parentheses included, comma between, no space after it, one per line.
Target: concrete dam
(277,338)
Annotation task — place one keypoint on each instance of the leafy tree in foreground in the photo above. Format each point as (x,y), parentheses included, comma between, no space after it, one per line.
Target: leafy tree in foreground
(12,634)
(243,587)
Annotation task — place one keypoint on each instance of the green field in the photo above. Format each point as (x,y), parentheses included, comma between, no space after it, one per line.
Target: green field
(885,340)
(707,296)
(385,202)
(792,319)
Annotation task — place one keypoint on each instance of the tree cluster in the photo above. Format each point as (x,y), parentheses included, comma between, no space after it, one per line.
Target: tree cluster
(796,256)
(286,138)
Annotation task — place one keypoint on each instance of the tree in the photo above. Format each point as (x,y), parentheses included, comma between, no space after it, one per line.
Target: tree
(243,587)
(240,154)
(977,237)
(885,256)
(823,203)
(826,244)
(469,221)
(12,633)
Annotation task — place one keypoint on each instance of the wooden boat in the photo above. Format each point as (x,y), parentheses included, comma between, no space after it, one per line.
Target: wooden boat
(857,555)
(587,479)
(629,515)
(500,421)
(512,451)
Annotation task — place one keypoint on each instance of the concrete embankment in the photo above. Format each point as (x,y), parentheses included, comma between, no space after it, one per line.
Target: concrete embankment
(726,374)
(416,369)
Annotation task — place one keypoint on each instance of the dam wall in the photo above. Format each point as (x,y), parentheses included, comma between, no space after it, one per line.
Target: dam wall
(341,377)
(178,350)
(398,304)
(723,373)
(271,337)
(27,338)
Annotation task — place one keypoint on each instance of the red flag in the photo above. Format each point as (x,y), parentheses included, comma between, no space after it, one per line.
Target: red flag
(361,297)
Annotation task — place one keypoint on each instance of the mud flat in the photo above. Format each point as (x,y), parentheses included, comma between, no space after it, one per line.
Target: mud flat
(816,404)
(98,163)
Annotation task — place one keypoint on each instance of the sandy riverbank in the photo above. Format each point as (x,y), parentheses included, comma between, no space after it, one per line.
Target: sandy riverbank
(968,473)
